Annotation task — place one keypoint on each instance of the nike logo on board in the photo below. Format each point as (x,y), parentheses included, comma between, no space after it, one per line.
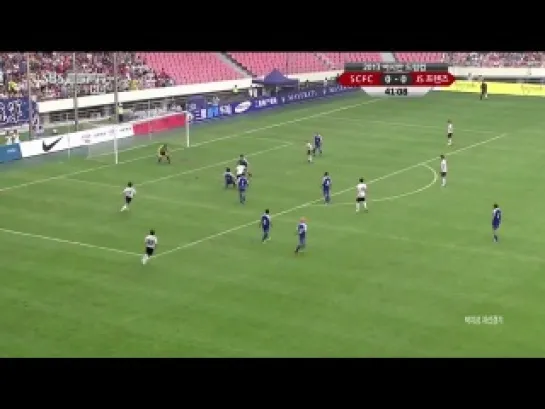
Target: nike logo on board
(47,147)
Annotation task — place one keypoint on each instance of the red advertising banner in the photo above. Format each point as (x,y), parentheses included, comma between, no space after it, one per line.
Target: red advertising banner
(159,124)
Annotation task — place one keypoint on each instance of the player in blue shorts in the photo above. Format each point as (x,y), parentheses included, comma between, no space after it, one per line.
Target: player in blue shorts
(242,184)
(318,143)
(496,222)
(265,224)
(326,188)
(229,178)
(302,233)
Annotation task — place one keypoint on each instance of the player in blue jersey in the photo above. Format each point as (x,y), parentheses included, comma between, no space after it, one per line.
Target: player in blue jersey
(229,178)
(326,188)
(242,184)
(302,233)
(318,143)
(265,224)
(496,222)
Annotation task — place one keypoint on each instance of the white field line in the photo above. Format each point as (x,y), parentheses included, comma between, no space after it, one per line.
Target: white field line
(222,233)
(146,196)
(435,177)
(76,243)
(190,171)
(301,206)
(425,243)
(147,145)
(293,121)
(407,125)
(182,203)
(214,165)
(396,197)
(250,131)
(71,242)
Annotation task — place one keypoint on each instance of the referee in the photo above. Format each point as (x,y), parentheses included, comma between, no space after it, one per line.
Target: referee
(484,90)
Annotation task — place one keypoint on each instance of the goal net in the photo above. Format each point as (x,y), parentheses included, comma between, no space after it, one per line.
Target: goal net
(138,138)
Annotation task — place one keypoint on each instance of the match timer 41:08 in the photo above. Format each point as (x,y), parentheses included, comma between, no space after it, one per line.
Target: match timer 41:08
(400,92)
(384,92)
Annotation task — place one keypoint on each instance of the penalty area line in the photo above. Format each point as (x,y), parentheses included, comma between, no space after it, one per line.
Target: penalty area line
(307,204)
(185,172)
(214,165)
(395,197)
(206,142)
(64,241)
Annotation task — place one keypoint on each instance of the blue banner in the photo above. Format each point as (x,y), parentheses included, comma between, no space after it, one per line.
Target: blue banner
(15,112)
(259,104)
(197,106)
(10,153)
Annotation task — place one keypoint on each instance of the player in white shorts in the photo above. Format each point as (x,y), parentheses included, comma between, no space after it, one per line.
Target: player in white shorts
(444,169)
(310,152)
(450,131)
(240,170)
(151,243)
(128,194)
(361,195)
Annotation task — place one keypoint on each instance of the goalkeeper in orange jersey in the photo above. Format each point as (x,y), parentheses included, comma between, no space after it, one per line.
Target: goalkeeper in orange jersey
(162,154)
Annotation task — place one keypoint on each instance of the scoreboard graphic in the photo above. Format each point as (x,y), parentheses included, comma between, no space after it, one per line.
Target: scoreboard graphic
(396,79)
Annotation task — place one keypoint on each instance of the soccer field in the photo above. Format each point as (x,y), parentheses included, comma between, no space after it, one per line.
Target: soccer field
(404,279)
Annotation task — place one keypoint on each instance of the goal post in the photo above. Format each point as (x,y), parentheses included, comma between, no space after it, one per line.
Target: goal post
(188,118)
(138,139)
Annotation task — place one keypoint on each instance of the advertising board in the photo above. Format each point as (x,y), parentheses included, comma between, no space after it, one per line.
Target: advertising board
(9,153)
(497,88)
(261,103)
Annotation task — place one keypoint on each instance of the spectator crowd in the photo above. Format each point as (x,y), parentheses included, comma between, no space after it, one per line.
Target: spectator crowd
(51,74)
(496,60)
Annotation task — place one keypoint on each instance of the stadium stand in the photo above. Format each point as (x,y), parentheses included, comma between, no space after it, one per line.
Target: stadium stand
(289,63)
(478,59)
(419,57)
(50,70)
(191,68)
(492,59)
(338,60)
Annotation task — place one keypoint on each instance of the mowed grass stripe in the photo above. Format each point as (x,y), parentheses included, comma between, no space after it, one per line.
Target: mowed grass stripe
(183,163)
(99,220)
(354,294)
(318,111)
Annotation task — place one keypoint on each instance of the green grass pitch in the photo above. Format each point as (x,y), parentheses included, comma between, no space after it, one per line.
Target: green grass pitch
(404,279)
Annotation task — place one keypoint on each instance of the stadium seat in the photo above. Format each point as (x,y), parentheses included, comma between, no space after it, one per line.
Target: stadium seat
(338,60)
(494,59)
(149,70)
(420,57)
(288,63)
(192,68)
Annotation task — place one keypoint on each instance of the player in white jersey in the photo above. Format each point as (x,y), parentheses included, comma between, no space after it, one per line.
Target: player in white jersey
(361,195)
(151,243)
(9,139)
(444,169)
(240,170)
(128,194)
(450,131)
(310,151)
